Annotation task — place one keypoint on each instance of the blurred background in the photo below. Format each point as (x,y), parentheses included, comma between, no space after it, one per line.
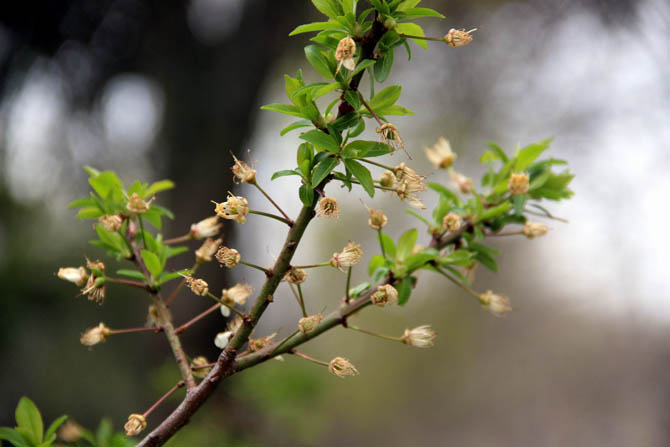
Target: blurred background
(167,89)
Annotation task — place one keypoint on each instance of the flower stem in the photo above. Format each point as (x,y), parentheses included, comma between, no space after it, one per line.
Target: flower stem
(139,219)
(197,318)
(302,300)
(281,343)
(365,160)
(257,267)
(178,239)
(458,283)
(509,233)
(165,396)
(211,295)
(311,266)
(272,216)
(135,329)
(385,188)
(369,332)
(128,282)
(267,196)
(346,290)
(311,359)
(181,284)
(372,112)
(407,36)
(381,243)
(297,298)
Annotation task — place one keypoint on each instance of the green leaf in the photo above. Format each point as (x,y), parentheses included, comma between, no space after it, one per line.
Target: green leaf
(321,140)
(152,263)
(446,193)
(90,212)
(163,211)
(84,201)
(406,244)
(135,274)
(284,108)
(362,148)
(351,96)
(54,426)
(8,434)
(529,154)
(413,29)
(389,245)
(498,151)
(306,194)
(457,257)
(284,173)
(495,211)
(375,262)
(418,260)
(318,60)
(395,110)
(485,255)
(358,290)
(174,251)
(385,98)
(404,290)
(417,13)
(331,8)
(316,26)
(362,174)
(407,4)
(156,187)
(295,125)
(322,170)
(417,215)
(165,277)
(363,65)
(383,65)
(319,92)
(28,417)
(105,183)
(153,217)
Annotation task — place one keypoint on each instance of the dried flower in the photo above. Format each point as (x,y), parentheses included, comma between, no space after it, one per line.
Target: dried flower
(77,275)
(207,250)
(327,207)
(377,220)
(222,338)
(463,183)
(95,286)
(228,257)
(70,431)
(534,229)
(341,367)
(237,294)
(209,227)
(452,222)
(153,317)
(295,276)
(256,344)
(385,295)
(235,324)
(345,53)
(518,183)
(409,184)
(137,205)
(388,134)
(440,154)
(243,172)
(419,337)
(199,368)
(234,208)
(498,305)
(350,255)
(197,285)
(387,179)
(111,222)
(95,335)
(136,423)
(458,37)
(307,324)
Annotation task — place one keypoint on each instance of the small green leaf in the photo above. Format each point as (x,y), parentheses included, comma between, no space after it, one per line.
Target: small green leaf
(417,215)
(153,217)
(353,99)
(395,110)
(331,8)
(363,65)
(306,194)
(54,426)
(295,125)
(389,245)
(318,60)
(362,148)
(383,66)
(357,291)
(90,212)
(316,26)
(28,417)
(404,290)
(152,263)
(446,193)
(417,13)
(375,262)
(135,274)
(457,257)
(165,277)
(13,436)
(284,108)
(84,201)
(413,29)
(417,261)
(322,170)
(495,211)
(105,183)
(385,98)
(529,154)
(321,140)
(284,173)
(156,187)
(406,244)
(362,174)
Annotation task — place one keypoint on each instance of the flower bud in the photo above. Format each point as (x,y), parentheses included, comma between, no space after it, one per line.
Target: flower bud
(296,276)
(327,207)
(153,317)
(385,295)
(419,337)
(137,205)
(207,250)
(345,53)
(70,431)
(228,257)
(534,229)
(237,294)
(452,222)
(222,338)
(111,222)
(387,179)
(243,172)
(458,37)
(209,227)
(256,344)
(234,208)
(95,286)
(77,275)
(197,286)
(463,183)
(409,184)
(136,423)
(498,305)
(389,135)
(341,367)
(95,335)
(440,154)
(518,183)
(377,220)
(350,255)
(198,367)
(307,324)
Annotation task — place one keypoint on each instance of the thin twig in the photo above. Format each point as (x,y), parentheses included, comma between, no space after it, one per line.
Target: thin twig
(267,196)
(272,216)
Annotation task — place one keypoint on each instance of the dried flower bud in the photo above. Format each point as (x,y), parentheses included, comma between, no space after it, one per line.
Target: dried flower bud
(222,338)
(256,344)
(136,423)
(228,257)
(345,53)
(377,220)
(385,295)
(440,154)
(341,367)
(327,207)
(199,368)
(111,222)
(307,324)
(388,134)
(95,286)
(209,227)
(153,317)
(77,275)
(458,37)
(235,324)
(70,431)
(237,294)
(498,305)
(534,229)
(137,205)
(387,179)
(419,337)
(95,335)
(197,286)
(296,276)
(350,255)
(234,208)
(452,222)
(243,172)
(409,184)
(207,250)
(518,183)
(463,183)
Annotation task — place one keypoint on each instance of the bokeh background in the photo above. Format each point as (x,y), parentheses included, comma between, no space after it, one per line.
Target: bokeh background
(166,89)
